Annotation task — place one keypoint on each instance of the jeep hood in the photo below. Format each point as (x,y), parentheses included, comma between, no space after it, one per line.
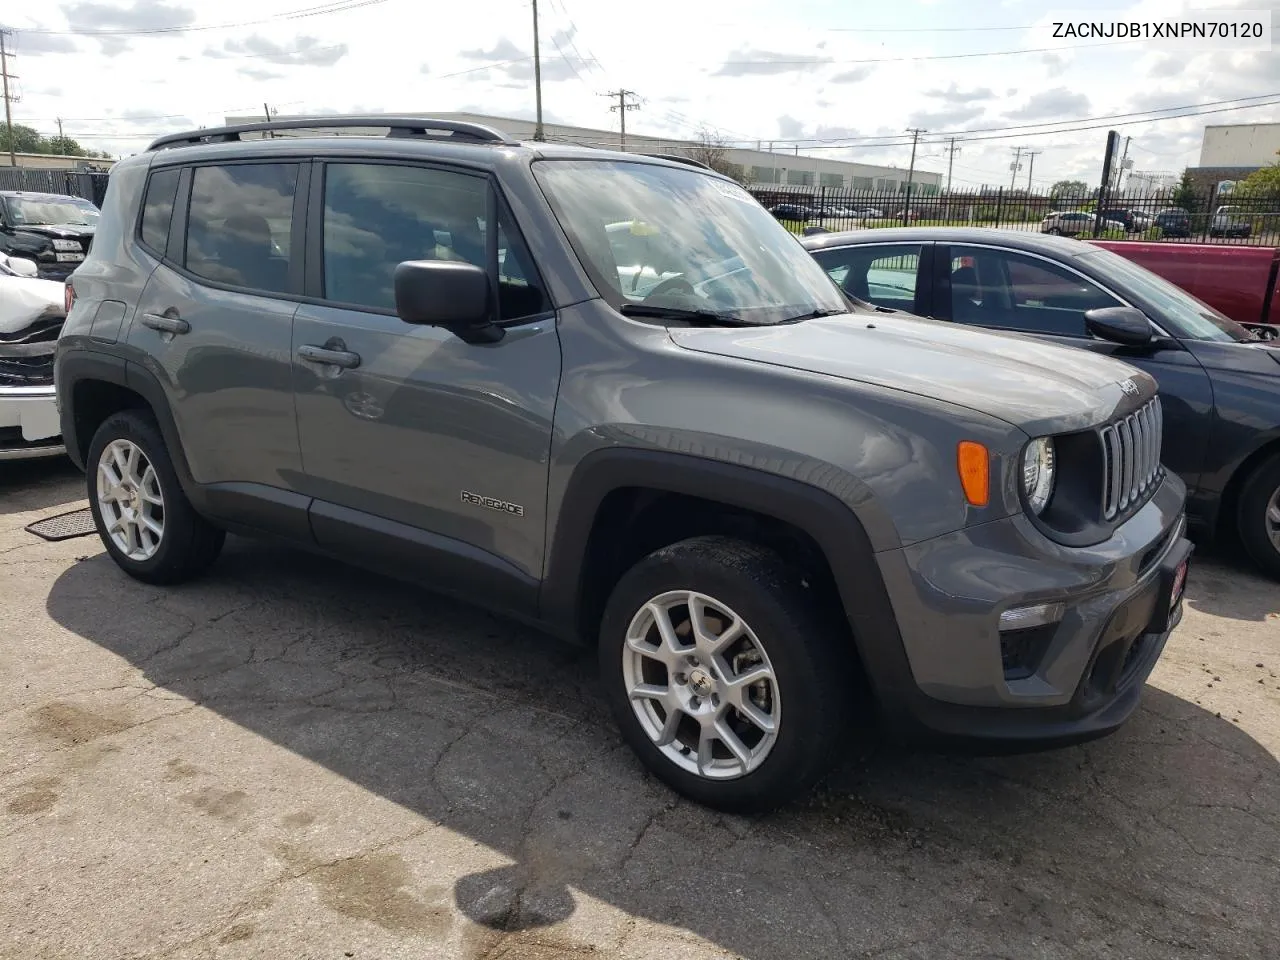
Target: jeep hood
(1038,386)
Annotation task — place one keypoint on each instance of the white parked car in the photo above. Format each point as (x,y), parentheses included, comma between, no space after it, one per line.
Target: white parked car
(1071,223)
(31,315)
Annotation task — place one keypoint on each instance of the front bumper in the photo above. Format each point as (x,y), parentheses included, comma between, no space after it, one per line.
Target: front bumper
(1076,678)
(29,423)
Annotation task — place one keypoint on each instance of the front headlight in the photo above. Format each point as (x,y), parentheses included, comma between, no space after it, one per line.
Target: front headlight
(1038,470)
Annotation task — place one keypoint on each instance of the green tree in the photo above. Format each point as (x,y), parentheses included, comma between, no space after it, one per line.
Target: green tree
(1185,194)
(29,140)
(25,139)
(1068,190)
(1262,183)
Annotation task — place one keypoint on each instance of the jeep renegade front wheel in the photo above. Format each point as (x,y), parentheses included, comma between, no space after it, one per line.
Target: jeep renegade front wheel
(724,673)
(143,518)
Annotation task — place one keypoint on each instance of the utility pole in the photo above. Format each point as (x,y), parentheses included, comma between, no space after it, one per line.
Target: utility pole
(622,106)
(951,156)
(911,171)
(1120,170)
(8,113)
(1031,164)
(1015,166)
(537,76)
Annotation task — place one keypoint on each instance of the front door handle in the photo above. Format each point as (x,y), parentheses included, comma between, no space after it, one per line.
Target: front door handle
(165,324)
(337,358)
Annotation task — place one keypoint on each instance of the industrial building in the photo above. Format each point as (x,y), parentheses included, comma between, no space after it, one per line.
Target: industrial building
(759,167)
(1231,151)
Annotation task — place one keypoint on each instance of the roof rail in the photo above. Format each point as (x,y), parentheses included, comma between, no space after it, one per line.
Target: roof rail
(679,158)
(396,127)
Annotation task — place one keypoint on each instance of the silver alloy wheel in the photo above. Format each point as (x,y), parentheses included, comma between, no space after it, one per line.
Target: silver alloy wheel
(1272,521)
(701,685)
(129,500)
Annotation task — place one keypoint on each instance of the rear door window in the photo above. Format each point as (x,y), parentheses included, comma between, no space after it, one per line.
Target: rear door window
(884,274)
(240,225)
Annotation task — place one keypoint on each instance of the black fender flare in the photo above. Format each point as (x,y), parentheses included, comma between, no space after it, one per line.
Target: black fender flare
(830,522)
(76,366)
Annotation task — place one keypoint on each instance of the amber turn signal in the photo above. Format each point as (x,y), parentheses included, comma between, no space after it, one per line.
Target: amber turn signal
(974,463)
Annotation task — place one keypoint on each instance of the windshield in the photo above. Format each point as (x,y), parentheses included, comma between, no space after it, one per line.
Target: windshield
(681,239)
(1189,317)
(23,211)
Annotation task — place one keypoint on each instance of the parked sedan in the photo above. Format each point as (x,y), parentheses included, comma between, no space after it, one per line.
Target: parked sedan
(1072,223)
(1219,386)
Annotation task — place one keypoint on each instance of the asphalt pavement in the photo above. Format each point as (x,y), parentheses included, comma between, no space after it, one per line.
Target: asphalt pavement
(295,759)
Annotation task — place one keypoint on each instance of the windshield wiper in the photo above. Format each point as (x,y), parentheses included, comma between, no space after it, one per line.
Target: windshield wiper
(815,314)
(708,317)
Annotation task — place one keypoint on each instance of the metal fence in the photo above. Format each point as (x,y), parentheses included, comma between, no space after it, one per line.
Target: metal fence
(1205,217)
(70,183)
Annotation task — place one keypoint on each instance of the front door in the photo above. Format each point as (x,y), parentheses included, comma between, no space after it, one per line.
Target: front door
(214,320)
(407,430)
(1008,290)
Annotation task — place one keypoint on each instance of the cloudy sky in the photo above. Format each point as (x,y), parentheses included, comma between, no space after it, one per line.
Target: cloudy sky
(845,77)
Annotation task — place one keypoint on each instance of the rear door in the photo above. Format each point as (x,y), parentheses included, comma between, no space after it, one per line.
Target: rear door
(893,275)
(1002,289)
(423,439)
(215,321)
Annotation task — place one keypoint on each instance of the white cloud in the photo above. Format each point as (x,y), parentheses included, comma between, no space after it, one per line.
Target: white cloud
(750,69)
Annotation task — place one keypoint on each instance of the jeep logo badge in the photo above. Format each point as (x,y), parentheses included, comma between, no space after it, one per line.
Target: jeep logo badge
(1130,388)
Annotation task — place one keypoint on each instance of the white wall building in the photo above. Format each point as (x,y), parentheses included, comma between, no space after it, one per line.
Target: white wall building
(1240,145)
(760,167)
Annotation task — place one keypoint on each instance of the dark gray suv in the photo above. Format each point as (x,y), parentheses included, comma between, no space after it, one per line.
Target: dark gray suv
(610,395)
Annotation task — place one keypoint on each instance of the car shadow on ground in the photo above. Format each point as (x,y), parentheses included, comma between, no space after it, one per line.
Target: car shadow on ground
(31,485)
(1160,841)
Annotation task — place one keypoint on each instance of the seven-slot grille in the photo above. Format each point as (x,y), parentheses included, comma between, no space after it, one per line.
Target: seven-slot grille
(1131,458)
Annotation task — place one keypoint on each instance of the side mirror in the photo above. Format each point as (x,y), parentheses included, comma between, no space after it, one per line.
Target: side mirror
(20,266)
(1123,325)
(446,293)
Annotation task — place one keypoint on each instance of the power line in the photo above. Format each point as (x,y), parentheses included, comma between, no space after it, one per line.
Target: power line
(827,61)
(340,6)
(1033,129)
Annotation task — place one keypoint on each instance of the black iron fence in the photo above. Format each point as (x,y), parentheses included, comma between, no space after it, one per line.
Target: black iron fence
(1202,217)
(71,183)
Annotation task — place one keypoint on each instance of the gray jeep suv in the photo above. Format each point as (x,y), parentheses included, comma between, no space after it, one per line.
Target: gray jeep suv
(609,394)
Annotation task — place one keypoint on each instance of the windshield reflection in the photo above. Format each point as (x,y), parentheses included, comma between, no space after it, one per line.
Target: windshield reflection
(1191,317)
(683,239)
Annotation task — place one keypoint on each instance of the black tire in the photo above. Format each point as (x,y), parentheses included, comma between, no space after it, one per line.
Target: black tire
(189,544)
(1256,496)
(804,639)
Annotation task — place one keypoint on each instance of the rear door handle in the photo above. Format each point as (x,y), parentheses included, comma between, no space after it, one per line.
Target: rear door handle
(165,324)
(337,358)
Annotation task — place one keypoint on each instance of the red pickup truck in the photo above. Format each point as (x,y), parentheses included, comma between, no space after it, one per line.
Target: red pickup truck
(1243,282)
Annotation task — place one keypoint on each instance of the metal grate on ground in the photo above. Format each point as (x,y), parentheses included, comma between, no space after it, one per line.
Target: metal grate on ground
(63,526)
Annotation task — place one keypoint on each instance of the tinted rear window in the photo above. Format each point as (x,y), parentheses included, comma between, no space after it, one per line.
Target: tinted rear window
(157,208)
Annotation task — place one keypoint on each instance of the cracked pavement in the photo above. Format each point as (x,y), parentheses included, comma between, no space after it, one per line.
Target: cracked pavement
(291,758)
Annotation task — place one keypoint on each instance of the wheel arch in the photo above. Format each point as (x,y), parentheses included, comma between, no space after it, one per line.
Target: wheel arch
(617,486)
(92,386)
(1229,502)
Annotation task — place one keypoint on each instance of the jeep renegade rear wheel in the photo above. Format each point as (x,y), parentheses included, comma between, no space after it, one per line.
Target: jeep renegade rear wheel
(724,673)
(143,518)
